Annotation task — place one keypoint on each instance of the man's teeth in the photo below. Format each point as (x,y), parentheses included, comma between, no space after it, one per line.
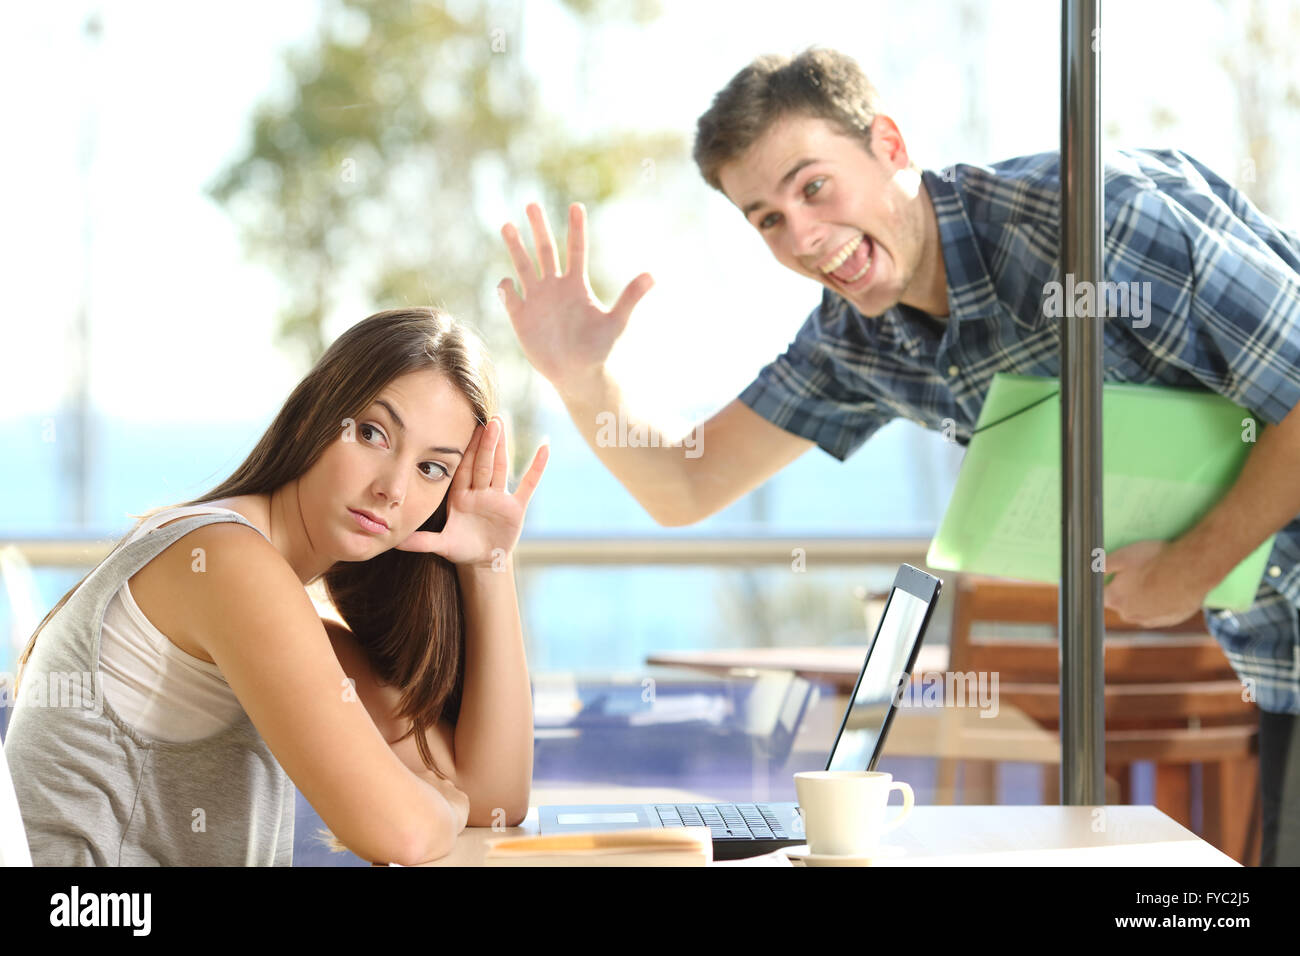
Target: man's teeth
(842,255)
(861,272)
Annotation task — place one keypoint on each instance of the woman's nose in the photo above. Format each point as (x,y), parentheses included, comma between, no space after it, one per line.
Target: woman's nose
(391,487)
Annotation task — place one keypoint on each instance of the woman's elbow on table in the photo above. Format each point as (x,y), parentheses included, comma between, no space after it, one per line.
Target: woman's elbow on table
(430,845)
(497,816)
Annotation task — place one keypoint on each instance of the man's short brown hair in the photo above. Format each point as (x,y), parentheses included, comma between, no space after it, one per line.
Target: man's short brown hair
(820,83)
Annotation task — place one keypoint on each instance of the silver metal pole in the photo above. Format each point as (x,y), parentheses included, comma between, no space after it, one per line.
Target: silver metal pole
(1082,615)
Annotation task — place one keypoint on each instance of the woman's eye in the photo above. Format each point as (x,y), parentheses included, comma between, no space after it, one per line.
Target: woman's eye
(813,185)
(767,221)
(436,473)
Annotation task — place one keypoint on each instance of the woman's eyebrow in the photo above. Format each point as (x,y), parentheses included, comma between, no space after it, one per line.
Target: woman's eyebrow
(401,425)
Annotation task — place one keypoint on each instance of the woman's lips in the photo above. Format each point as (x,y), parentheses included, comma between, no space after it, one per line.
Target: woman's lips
(373,527)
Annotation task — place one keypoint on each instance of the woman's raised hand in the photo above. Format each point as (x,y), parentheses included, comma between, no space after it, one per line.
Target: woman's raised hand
(566,333)
(483,518)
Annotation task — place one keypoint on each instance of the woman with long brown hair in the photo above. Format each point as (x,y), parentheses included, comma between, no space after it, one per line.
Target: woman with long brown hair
(217,684)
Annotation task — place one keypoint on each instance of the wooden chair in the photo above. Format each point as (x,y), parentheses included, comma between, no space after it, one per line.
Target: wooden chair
(1172,698)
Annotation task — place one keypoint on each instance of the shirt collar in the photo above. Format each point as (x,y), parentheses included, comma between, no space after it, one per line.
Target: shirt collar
(971,293)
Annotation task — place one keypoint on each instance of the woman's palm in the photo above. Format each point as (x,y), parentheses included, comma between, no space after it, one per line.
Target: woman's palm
(483,518)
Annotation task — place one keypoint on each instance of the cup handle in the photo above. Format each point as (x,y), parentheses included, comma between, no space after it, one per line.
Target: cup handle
(906,790)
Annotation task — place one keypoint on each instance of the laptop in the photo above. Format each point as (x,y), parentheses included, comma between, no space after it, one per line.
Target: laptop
(750,829)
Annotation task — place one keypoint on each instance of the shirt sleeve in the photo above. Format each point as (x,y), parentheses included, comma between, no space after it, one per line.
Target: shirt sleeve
(1223,303)
(804,391)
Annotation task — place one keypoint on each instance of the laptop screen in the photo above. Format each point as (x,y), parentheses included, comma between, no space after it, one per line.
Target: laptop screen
(879,683)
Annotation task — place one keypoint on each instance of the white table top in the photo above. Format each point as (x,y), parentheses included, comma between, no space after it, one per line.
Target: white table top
(944,835)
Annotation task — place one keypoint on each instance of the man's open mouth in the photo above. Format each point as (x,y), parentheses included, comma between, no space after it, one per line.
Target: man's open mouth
(852,262)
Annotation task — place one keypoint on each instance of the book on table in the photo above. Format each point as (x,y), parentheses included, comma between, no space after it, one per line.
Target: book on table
(668,846)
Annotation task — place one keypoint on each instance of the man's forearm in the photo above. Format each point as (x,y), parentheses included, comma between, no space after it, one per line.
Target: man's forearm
(655,472)
(1264,498)
(494,732)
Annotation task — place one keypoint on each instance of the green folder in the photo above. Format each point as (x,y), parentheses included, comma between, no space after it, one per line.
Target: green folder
(1169,455)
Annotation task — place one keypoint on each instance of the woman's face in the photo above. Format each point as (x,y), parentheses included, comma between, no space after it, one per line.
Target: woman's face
(394,463)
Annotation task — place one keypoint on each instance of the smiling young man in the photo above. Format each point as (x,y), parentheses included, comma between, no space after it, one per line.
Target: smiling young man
(827,210)
(932,283)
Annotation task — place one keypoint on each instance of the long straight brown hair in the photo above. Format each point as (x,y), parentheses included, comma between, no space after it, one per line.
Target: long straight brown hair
(405,608)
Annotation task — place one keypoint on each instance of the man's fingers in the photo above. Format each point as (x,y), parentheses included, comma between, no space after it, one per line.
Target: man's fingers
(1133,555)
(528,484)
(542,240)
(635,291)
(1118,559)
(577,258)
(524,267)
(1109,603)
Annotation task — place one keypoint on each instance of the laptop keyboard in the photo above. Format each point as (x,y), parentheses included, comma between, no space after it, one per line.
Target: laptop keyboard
(726,821)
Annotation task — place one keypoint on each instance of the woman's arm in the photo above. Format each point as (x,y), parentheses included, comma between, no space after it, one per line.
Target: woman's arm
(381,702)
(249,613)
(493,742)
(489,753)
(494,733)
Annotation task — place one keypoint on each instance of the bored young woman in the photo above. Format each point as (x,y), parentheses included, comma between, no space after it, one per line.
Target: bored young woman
(217,685)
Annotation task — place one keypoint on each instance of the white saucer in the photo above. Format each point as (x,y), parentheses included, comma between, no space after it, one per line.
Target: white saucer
(803,856)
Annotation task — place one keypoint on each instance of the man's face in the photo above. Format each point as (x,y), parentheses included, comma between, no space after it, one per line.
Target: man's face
(398,474)
(830,210)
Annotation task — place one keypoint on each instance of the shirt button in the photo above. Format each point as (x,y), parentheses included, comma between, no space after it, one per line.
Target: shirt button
(1274,571)
(952,370)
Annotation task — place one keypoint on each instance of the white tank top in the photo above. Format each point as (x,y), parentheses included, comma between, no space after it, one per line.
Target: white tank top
(157,688)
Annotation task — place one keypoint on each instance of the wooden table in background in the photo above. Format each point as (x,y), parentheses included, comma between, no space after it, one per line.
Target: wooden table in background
(836,665)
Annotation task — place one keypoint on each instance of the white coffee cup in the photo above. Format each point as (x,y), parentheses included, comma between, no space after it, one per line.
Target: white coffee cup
(844,810)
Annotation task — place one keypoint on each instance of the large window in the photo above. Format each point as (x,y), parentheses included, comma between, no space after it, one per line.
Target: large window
(167,287)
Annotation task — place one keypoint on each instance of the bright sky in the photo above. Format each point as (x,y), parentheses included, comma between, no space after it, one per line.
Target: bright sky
(181,323)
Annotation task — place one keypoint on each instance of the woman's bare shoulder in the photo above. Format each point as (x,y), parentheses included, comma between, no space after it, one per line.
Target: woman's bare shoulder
(251,507)
(162,589)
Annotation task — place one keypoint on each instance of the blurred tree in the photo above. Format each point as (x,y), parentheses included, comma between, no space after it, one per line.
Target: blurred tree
(1259,59)
(406,124)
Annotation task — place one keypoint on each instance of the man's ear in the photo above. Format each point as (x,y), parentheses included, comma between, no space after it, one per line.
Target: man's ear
(887,144)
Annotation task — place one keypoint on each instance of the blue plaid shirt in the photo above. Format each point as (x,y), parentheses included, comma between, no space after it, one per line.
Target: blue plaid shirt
(1223,315)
